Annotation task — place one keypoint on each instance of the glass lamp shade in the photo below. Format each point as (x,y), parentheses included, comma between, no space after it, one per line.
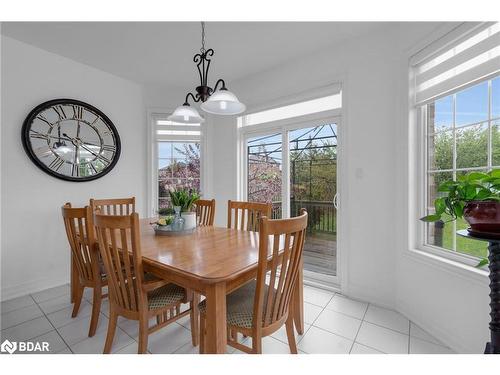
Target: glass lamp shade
(186,114)
(223,102)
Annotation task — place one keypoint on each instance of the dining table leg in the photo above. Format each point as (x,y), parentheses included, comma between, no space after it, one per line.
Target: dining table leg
(215,339)
(298,302)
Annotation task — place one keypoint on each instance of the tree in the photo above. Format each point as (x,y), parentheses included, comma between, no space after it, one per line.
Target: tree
(180,174)
(264,177)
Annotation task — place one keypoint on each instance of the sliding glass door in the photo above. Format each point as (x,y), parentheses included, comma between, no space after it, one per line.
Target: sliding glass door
(295,167)
(313,186)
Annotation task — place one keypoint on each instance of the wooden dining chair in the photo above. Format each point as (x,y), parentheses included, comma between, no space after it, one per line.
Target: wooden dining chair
(246,214)
(261,307)
(115,206)
(85,259)
(131,295)
(205,212)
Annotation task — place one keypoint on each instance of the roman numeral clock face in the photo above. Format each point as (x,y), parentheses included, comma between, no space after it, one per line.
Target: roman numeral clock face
(71,140)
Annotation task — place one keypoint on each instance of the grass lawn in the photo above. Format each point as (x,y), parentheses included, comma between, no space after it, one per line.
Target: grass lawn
(464,245)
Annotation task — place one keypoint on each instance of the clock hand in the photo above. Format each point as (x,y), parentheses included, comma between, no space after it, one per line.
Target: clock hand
(85,143)
(96,155)
(51,136)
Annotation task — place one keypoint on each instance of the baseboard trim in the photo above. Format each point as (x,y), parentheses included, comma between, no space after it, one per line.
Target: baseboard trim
(31,287)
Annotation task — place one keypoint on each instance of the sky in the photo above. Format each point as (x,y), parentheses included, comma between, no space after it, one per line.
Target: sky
(471,106)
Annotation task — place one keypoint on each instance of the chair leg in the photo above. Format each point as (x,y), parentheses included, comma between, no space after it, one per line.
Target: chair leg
(78,300)
(96,309)
(257,345)
(194,317)
(113,319)
(291,334)
(143,334)
(202,334)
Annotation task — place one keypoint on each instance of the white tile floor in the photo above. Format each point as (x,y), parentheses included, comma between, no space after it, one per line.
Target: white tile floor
(334,324)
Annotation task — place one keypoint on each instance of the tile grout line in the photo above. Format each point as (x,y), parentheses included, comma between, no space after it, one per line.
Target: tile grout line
(48,299)
(390,329)
(362,320)
(359,328)
(409,335)
(19,308)
(26,321)
(55,329)
(427,340)
(117,326)
(314,321)
(37,304)
(135,341)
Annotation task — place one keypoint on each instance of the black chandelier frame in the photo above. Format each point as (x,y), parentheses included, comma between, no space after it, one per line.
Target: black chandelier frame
(203,60)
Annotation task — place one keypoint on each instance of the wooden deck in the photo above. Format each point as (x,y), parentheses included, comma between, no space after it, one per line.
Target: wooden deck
(320,253)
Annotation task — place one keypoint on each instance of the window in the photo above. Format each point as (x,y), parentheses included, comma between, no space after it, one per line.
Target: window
(456,91)
(178,167)
(177,158)
(462,136)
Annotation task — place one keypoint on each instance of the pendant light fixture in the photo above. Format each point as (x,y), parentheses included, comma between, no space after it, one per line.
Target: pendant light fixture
(218,101)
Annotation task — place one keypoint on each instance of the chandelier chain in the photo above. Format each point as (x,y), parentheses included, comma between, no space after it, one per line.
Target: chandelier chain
(202,49)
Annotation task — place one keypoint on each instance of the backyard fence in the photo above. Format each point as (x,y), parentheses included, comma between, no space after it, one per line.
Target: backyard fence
(322,215)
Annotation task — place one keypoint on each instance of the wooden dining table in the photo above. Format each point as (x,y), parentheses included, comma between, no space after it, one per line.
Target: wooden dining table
(211,261)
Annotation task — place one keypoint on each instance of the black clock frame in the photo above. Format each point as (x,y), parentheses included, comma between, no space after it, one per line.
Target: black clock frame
(27,144)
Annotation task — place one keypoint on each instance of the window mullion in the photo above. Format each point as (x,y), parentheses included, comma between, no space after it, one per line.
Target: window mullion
(454,242)
(490,141)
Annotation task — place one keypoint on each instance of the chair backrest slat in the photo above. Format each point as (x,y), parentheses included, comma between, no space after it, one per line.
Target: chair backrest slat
(119,245)
(115,206)
(281,244)
(205,212)
(82,241)
(246,214)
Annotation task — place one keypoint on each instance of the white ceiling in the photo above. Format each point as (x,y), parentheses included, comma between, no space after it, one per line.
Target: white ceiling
(160,53)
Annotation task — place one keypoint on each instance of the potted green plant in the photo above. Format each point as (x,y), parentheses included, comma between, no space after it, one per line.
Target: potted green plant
(165,216)
(165,211)
(474,197)
(183,200)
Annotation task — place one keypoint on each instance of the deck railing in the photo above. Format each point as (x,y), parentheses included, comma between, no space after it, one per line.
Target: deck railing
(322,215)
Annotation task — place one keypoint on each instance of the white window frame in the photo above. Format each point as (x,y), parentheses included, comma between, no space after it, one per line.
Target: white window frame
(154,114)
(421,121)
(283,126)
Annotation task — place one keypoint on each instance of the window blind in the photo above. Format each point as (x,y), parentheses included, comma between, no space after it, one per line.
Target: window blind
(467,54)
(168,130)
(288,109)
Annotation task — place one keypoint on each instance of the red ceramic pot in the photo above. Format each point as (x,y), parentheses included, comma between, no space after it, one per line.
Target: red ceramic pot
(483,216)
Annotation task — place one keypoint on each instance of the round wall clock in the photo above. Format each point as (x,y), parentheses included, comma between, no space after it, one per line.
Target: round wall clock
(71,140)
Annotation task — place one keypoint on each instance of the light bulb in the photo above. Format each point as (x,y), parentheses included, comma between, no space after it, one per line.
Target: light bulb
(186,118)
(223,105)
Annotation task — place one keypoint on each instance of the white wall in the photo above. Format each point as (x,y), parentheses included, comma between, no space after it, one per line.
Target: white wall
(34,249)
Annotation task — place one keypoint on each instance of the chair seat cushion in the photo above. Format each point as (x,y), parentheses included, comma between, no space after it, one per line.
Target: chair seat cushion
(239,305)
(169,294)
